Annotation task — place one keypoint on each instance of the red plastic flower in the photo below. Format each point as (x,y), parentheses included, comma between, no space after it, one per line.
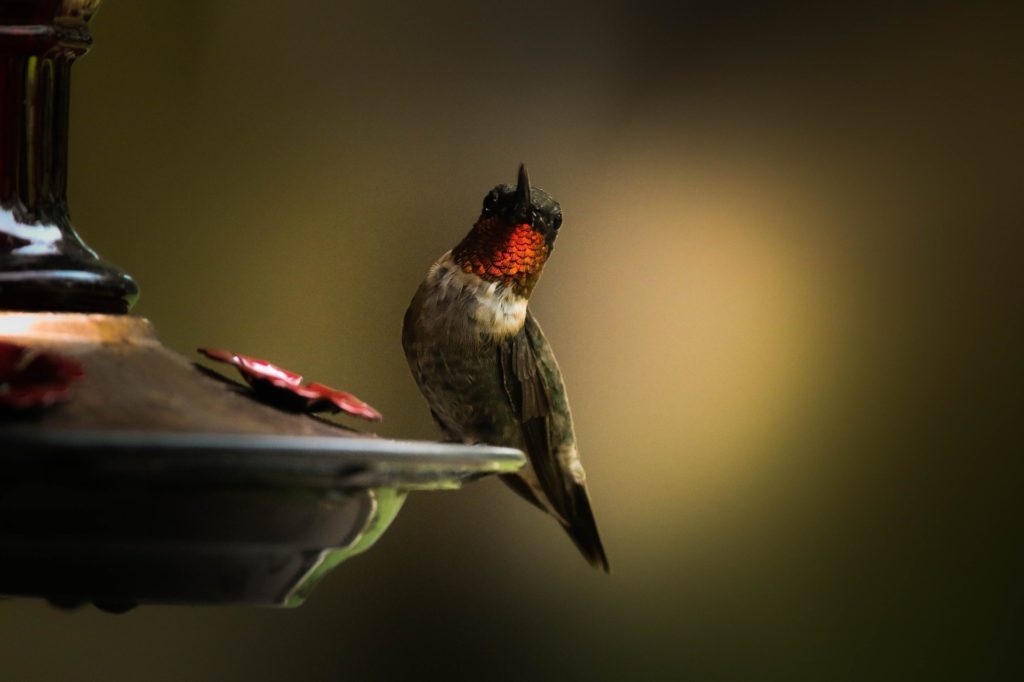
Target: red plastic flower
(284,389)
(32,378)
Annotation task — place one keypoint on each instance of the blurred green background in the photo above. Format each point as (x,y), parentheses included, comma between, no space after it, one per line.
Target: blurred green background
(783,300)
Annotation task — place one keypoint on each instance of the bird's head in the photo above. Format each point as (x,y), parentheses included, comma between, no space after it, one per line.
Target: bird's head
(513,237)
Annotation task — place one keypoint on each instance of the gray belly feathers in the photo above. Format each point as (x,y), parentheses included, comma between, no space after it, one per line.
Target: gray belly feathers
(454,360)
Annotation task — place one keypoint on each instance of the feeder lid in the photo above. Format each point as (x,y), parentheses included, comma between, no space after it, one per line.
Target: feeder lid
(142,403)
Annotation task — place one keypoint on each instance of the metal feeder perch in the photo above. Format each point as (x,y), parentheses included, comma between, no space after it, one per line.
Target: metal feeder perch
(154,483)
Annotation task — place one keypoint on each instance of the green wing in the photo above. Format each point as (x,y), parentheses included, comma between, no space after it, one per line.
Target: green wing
(536,392)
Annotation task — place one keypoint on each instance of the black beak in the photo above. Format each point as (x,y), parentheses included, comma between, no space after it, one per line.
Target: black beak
(523,202)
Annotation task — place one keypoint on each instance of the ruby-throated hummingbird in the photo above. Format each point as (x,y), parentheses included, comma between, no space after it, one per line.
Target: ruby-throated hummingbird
(483,364)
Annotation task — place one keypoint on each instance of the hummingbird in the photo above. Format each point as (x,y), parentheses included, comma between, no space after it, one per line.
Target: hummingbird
(482,362)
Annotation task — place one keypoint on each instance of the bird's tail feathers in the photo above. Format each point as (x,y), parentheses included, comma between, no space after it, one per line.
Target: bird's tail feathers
(582,528)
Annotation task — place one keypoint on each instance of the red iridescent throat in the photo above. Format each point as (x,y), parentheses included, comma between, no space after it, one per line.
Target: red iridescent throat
(498,252)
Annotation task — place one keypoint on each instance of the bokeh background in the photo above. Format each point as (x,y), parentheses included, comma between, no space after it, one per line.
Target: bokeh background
(783,300)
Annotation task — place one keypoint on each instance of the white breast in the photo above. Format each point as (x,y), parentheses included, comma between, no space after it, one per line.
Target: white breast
(465,300)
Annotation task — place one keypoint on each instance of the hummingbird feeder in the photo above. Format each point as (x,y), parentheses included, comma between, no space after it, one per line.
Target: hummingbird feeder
(127,475)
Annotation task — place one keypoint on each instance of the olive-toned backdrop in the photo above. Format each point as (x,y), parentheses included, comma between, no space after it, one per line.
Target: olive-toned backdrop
(782,299)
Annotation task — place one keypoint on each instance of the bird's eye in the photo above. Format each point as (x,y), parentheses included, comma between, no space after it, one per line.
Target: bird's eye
(556,220)
(489,202)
